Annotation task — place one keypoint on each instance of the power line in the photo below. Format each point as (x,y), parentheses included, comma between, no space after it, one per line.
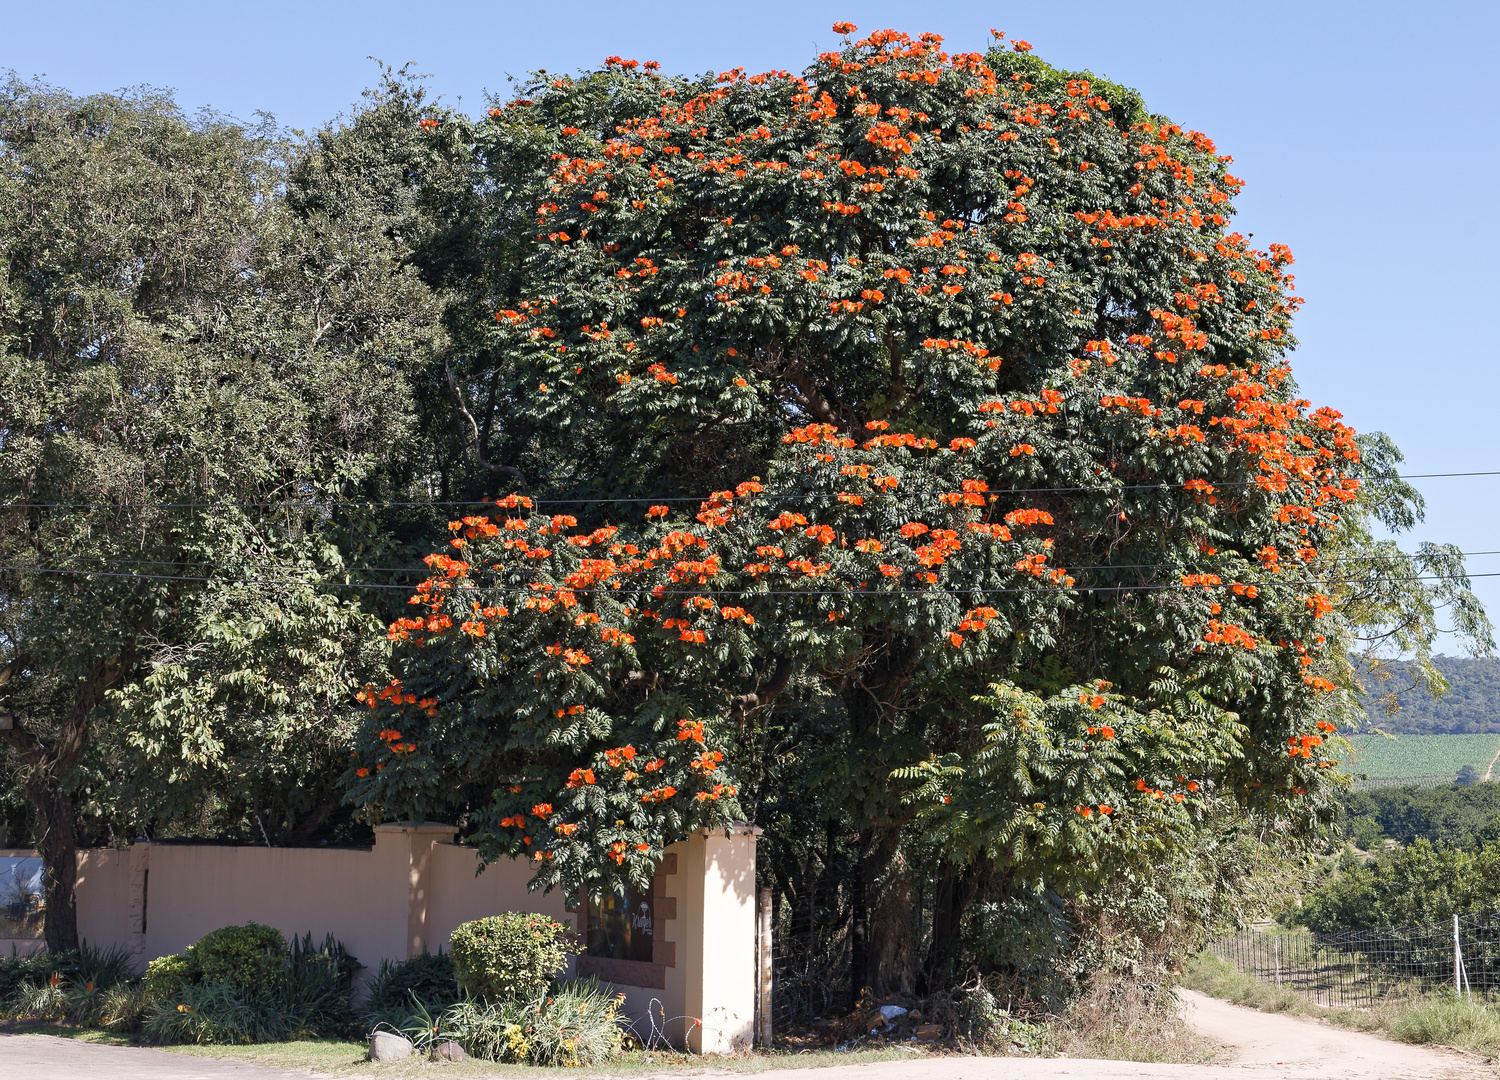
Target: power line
(860,591)
(580,501)
(112,561)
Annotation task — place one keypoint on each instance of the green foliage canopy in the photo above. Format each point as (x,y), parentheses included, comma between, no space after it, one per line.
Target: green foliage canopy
(982,506)
(189,363)
(1420,884)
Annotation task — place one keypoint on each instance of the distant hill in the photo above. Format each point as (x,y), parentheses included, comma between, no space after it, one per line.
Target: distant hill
(1471,706)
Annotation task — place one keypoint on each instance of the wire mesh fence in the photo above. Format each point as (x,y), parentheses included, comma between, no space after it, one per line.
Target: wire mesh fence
(809,976)
(1359,968)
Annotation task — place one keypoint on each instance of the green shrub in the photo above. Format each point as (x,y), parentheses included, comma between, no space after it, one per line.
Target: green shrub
(288,1006)
(243,984)
(102,968)
(511,957)
(59,986)
(312,991)
(34,970)
(575,1026)
(202,1012)
(329,952)
(242,956)
(124,1008)
(84,1000)
(168,974)
(44,1001)
(487,1030)
(428,979)
(578,1026)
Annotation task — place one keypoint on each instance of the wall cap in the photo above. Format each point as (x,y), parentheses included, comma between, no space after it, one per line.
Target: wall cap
(408,827)
(737,828)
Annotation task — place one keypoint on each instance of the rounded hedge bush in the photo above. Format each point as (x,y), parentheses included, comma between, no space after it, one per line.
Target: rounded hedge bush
(168,974)
(243,956)
(511,957)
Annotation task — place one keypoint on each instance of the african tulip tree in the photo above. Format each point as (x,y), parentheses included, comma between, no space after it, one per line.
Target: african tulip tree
(879,390)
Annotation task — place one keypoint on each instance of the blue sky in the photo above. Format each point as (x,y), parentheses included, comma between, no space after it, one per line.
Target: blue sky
(1366,132)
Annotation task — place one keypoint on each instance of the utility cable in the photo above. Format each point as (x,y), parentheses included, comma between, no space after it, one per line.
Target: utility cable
(313,504)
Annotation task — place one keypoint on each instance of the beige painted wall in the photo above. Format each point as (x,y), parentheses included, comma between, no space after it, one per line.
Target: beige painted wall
(413,888)
(719,933)
(358,896)
(104,896)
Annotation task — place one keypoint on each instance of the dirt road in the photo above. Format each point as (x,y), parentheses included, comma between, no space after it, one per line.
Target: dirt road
(1269,1044)
(1258,1046)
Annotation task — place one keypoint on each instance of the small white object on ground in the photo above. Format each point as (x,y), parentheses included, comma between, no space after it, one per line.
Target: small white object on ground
(890,1012)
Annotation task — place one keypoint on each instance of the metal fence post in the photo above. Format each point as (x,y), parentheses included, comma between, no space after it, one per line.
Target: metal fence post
(760,930)
(764,972)
(1458,961)
(1278,960)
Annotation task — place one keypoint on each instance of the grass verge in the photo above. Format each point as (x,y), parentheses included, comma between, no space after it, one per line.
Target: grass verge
(342,1057)
(1439,1019)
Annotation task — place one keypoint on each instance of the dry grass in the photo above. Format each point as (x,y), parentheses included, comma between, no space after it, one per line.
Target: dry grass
(1124,1020)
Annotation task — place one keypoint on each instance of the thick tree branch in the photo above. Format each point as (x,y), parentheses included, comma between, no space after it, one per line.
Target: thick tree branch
(478,452)
(743,704)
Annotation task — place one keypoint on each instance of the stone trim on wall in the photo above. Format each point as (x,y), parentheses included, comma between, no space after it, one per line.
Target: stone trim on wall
(623,972)
(650,975)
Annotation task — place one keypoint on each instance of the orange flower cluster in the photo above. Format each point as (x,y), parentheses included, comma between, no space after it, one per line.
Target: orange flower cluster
(1303,745)
(1228,634)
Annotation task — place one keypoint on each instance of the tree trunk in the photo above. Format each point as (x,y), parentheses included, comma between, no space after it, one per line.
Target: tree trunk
(47,765)
(956,889)
(890,948)
(59,851)
(859,930)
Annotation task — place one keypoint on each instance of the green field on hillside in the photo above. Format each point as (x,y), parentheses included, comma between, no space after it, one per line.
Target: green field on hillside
(1415,756)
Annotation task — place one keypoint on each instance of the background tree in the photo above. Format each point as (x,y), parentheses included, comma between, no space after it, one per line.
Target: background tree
(1019,561)
(191,367)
